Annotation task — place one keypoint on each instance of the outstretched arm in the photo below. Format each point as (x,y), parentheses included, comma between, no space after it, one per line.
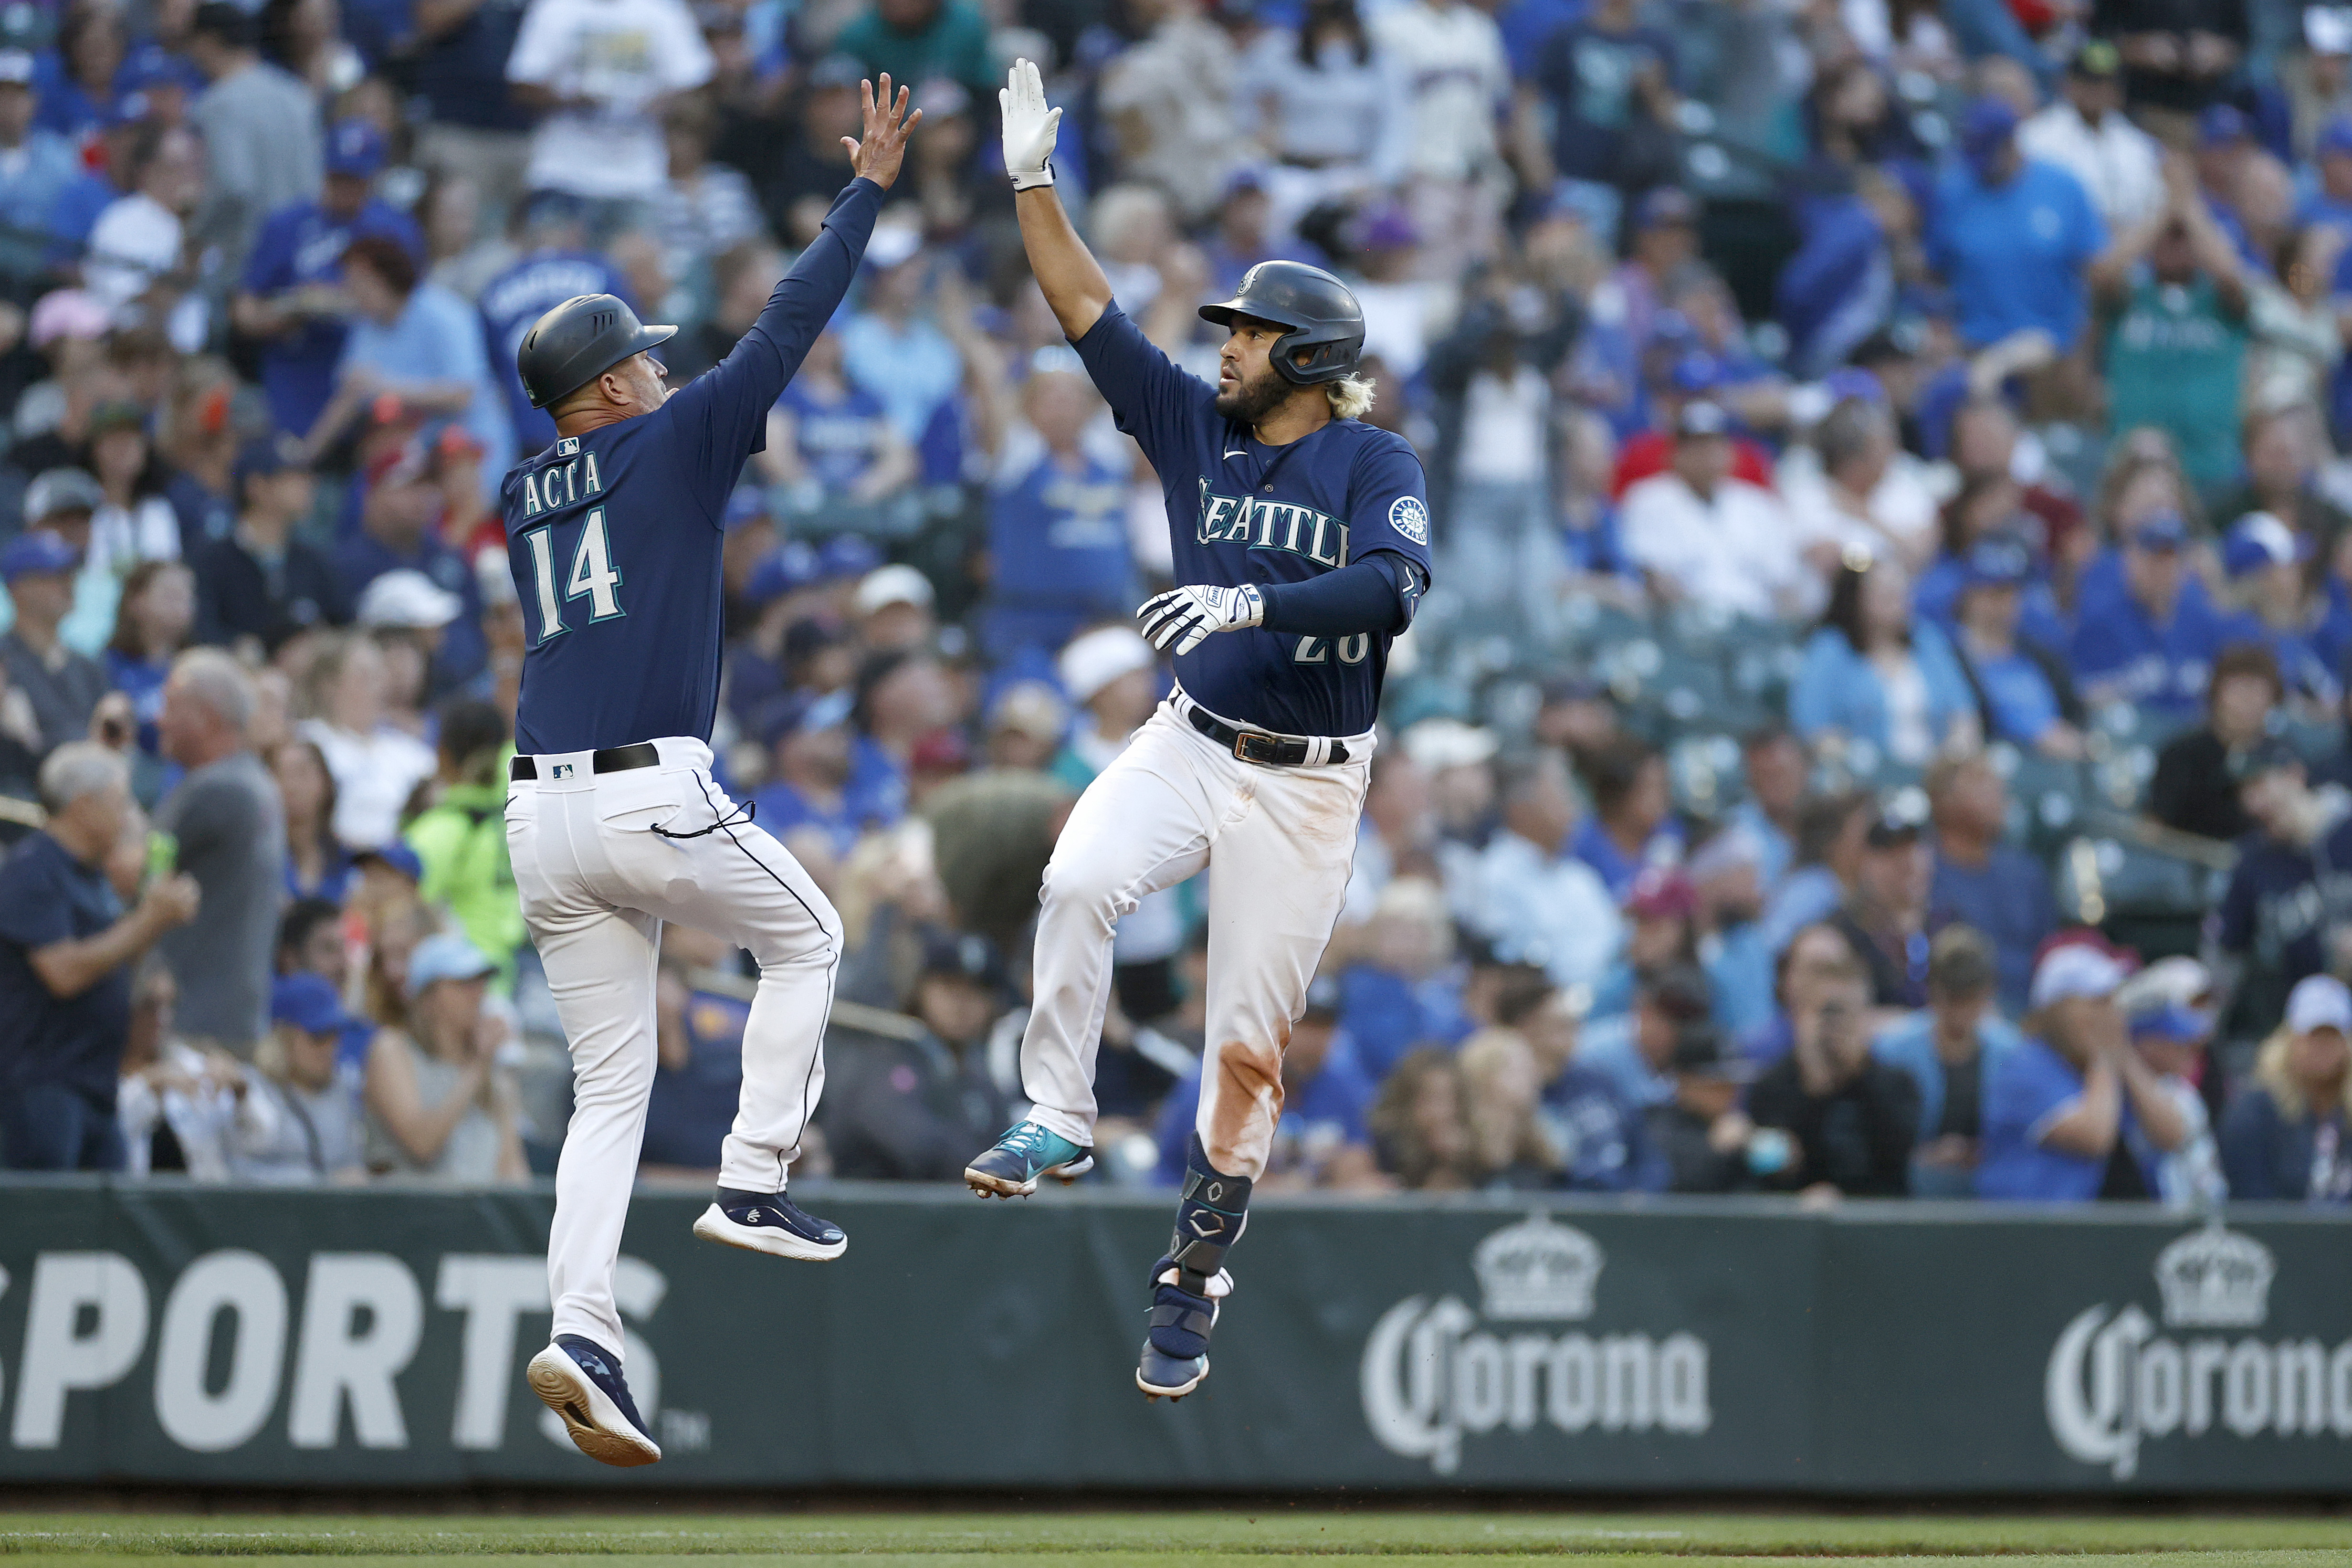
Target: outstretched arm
(1065,269)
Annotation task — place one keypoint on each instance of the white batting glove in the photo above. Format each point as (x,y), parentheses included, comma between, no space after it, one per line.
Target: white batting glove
(1029,127)
(1183,616)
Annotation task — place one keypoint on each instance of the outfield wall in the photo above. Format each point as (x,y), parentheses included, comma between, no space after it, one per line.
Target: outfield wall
(376,1337)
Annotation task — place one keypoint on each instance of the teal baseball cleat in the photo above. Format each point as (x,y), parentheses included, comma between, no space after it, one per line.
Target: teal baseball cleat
(1027,1153)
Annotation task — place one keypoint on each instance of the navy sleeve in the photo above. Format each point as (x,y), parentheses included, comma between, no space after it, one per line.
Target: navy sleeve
(721,416)
(1375,595)
(1388,501)
(1154,399)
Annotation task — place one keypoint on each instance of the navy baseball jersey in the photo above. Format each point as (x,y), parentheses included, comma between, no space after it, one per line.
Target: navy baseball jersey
(613,536)
(512,304)
(1242,512)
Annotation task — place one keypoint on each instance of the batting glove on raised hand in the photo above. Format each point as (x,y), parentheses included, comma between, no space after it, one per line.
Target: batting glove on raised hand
(1029,127)
(1180,618)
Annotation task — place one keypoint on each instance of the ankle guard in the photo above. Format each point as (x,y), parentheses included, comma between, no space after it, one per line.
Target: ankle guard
(1210,1216)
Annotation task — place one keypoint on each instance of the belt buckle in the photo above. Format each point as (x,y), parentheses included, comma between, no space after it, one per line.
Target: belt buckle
(1251,746)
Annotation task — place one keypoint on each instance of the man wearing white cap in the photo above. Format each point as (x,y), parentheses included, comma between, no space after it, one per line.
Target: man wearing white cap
(894,608)
(2072,1113)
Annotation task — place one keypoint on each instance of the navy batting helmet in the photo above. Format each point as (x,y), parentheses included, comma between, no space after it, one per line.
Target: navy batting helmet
(579,341)
(1317,308)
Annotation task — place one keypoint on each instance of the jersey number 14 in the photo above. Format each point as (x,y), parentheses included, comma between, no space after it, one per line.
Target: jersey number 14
(593,576)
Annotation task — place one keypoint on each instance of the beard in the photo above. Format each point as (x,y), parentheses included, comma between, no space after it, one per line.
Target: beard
(1252,401)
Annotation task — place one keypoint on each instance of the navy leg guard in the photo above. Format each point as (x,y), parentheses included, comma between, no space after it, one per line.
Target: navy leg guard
(1209,1216)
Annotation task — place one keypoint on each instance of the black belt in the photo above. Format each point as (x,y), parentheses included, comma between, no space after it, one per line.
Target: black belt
(1254,745)
(611,760)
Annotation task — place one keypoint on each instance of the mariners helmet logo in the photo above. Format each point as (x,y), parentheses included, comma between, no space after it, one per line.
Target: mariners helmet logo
(1411,519)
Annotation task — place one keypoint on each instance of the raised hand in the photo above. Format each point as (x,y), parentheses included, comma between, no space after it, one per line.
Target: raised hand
(1029,127)
(887,126)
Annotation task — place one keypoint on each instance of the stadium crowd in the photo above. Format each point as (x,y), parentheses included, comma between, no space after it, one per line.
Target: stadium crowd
(1878,726)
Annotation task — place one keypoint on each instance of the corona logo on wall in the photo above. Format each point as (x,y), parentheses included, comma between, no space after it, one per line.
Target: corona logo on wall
(1435,1372)
(2118,1379)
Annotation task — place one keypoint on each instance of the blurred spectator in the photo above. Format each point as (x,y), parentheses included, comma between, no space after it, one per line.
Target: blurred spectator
(1947,1049)
(1634,1050)
(132,522)
(2284,443)
(556,266)
(259,125)
(157,613)
(62,686)
(1851,1118)
(1320,94)
(1609,83)
(805,801)
(1401,989)
(2012,237)
(230,829)
(1860,504)
(1884,919)
(1026,725)
(1170,102)
(2084,132)
(291,295)
(1874,677)
(1774,767)
(376,765)
(417,344)
(2269,587)
(1323,1138)
(2067,1110)
(2154,641)
(183,1110)
(2298,344)
(2289,1132)
(1817,956)
(1059,556)
(1449,83)
(2173,299)
(916,40)
(1534,898)
(1598,1137)
(1661,911)
(2177,54)
(317,866)
(1828,860)
(62,502)
(914,1109)
(1508,1147)
(1631,826)
(316,1122)
(889,346)
(1982,882)
(2022,689)
(1420,1127)
(699,1082)
(2275,924)
(1726,874)
(36,166)
(601,72)
(798,180)
(2170,1035)
(834,447)
(473,123)
(2195,788)
(1706,1143)
(262,584)
(439,1103)
(1701,536)
(65,947)
(703,208)
(460,840)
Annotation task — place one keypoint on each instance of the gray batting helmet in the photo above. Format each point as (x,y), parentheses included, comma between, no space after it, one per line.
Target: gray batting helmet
(1321,312)
(579,341)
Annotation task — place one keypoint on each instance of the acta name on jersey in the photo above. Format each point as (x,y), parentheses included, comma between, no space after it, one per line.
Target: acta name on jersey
(560,487)
(1264,524)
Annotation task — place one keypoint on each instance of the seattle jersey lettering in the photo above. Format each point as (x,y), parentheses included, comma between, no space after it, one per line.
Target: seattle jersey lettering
(1263,524)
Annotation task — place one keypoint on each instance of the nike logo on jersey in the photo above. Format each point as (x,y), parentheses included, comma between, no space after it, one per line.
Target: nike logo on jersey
(560,487)
(1236,454)
(1263,524)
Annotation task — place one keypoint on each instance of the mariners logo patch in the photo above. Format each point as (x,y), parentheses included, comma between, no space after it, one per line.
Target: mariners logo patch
(1410,518)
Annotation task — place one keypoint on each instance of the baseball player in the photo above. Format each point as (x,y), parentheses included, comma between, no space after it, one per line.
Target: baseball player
(1301,536)
(614,823)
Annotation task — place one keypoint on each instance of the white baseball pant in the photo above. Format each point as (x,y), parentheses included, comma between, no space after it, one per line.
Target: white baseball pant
(598,882)
(1279,843)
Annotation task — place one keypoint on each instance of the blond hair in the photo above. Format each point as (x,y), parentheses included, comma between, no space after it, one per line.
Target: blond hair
(2272,1071)
(1351,396)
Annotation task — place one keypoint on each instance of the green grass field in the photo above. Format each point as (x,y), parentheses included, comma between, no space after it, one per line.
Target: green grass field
(651,1539)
